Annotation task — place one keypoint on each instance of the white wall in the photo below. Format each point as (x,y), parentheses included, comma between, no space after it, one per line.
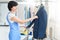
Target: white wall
(57,28)
(4,0)
(54,17)
(4,31)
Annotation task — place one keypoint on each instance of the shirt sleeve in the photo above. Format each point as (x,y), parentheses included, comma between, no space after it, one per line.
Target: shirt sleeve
(10,16)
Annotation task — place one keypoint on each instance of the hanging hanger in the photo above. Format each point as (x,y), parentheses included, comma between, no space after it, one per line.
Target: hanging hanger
(41,5)
(41,2)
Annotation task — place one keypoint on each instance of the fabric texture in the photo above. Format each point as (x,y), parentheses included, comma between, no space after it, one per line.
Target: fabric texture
(40,24)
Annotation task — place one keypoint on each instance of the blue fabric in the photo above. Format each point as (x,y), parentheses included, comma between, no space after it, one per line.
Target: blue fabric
(40,24)
(14,33)
(27,14)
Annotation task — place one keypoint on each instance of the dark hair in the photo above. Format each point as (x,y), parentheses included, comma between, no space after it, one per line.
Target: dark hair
(11,4)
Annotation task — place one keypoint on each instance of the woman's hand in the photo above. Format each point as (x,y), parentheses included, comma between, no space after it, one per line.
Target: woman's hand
(35,16)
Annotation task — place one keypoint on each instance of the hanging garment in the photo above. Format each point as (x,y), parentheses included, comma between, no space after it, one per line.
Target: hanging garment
(14,33)
(40,24)
(27,14)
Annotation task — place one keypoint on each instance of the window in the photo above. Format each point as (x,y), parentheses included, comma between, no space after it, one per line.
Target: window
(3,12)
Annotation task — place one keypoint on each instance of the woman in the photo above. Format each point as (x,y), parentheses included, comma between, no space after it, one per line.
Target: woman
(13,21)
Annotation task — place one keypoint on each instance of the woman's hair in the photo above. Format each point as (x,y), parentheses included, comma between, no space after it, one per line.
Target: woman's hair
(11,4)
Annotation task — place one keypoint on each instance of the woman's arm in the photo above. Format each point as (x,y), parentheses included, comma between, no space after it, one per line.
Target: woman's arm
(22,21)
